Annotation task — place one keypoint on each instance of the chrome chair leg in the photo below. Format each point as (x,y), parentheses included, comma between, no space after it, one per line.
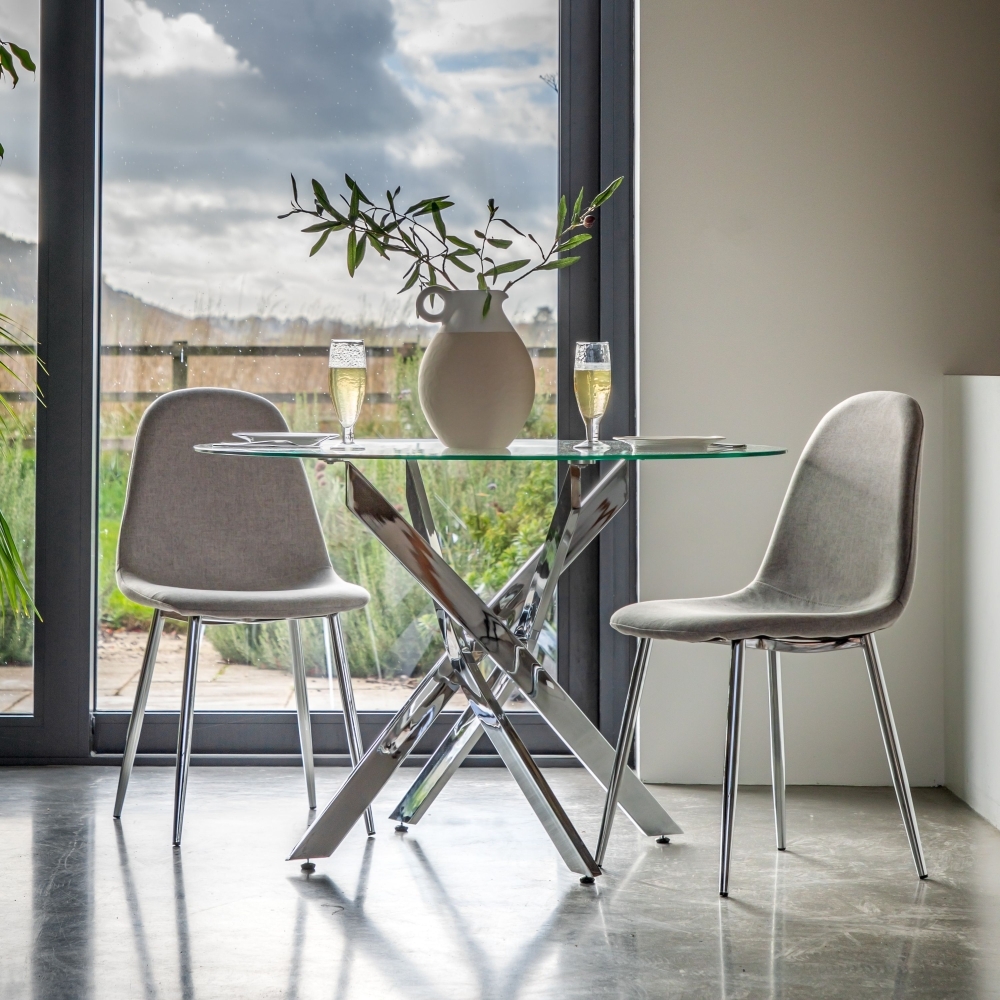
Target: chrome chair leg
(354,745)
(731,775)
(777,744)
(185,727)
(302,708)
(892,750)
(624,746)
(138,709)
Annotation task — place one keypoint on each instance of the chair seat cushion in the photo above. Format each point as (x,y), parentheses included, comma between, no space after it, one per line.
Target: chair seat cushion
(756,611)
(324,595)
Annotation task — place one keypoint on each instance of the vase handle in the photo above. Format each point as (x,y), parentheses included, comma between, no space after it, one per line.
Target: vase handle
(429,292)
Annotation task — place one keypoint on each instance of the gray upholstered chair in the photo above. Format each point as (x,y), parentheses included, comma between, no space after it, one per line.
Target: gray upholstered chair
(839,568)
(215,539)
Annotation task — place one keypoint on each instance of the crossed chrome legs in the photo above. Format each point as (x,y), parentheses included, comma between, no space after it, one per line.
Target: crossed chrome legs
(480,636)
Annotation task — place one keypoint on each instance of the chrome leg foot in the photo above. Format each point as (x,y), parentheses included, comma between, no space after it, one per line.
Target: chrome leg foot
(731,774)
(892,750)
(625,737)
(185,728)
(302,708)
(663,840)
(139,709)
(777,745)
(308,867)
(354,744)
(401,828)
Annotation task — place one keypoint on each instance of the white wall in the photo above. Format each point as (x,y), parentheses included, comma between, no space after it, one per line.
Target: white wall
(820,215)
(972,592)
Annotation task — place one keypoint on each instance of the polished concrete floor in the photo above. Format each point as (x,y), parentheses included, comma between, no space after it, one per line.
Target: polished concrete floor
(474,902)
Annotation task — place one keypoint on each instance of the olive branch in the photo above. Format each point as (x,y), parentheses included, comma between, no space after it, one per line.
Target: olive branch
(8,53)
(420,233)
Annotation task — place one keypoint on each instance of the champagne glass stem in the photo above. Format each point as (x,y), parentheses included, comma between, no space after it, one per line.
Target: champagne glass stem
(348,433)
(593,429)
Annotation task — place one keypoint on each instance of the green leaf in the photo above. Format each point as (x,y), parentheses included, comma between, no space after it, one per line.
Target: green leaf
(577,208)
(319,227)
(318,245)
(555,265)
(352,211)
(459,263)
(8,63)
(412,280)
(502,244)
(360,252)
(1,150)
(482,236)
(481,282)
(561,216)
(425,202)
(460,243)
(380,248)
(13,578)
(353,185)
(320,195)
(607,192)
(431,206)
(23,57)
(438,221)
(509,226)
(487,303)
(352,249)
(511,265)
(295,191)
(574,241)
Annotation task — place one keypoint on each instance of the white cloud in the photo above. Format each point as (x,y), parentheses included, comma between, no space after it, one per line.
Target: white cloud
(142,41)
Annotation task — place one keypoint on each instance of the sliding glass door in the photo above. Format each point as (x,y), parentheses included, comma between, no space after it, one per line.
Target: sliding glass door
(169,131)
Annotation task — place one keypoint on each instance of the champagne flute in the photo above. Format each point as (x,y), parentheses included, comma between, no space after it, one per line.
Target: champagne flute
(592,384)
(348,379)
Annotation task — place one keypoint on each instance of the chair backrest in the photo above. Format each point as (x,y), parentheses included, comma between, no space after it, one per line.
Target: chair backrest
(212,522)
(846,533)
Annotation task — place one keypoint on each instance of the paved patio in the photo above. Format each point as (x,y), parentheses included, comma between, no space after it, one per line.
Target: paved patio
(221,685)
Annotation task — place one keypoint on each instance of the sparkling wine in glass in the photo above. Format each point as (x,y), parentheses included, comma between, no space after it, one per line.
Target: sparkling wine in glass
(348,379)
(592,384)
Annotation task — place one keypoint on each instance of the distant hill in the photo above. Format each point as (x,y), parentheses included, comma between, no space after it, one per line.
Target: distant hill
(18,270)
(127,319)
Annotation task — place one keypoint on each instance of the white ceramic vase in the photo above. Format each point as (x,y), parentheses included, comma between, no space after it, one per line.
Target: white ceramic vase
(476,382)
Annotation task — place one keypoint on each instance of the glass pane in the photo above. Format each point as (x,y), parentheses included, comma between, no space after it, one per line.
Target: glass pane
(208,108)
(18,272)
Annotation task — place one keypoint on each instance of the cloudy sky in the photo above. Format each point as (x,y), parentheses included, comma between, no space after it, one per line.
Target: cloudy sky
(210,104)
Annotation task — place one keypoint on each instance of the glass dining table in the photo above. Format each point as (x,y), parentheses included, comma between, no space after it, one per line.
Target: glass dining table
(490,645)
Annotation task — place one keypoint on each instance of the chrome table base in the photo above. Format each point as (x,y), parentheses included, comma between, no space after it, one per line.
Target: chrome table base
(489,654)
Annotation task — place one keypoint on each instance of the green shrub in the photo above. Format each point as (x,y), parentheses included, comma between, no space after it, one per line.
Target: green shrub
(17,500)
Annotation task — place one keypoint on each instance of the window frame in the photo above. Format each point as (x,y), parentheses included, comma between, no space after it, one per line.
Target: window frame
(596,302)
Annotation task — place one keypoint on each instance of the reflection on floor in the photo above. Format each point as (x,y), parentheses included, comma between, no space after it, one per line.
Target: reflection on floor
(474,902)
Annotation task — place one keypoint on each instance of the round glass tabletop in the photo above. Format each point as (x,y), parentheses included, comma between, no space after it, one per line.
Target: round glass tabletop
(524,449)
